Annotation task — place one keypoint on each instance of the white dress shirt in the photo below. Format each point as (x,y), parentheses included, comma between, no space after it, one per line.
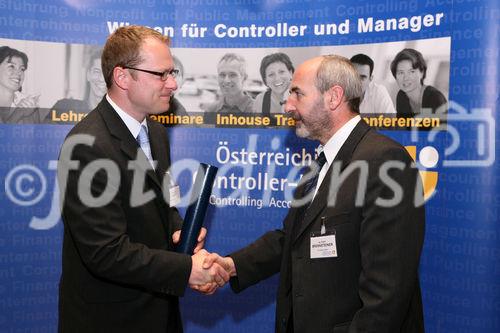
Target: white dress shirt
(132,124)
(376,100)
(332,147)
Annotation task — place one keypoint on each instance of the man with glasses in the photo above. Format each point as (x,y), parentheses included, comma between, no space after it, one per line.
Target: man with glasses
(176,108)
(95,87)
(119,271)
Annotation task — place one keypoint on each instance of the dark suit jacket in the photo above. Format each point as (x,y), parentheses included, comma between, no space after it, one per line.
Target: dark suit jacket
(432,100)
(372,285)
(119,273)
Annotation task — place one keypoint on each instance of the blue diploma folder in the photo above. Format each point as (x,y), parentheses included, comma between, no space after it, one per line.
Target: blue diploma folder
(195,213)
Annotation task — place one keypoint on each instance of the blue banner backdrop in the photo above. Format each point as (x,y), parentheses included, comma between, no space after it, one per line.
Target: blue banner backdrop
(460,266)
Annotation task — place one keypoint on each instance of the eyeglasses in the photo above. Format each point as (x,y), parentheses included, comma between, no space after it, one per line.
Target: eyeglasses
(163,75)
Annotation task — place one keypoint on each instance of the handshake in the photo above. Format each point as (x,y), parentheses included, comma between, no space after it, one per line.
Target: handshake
(209,271)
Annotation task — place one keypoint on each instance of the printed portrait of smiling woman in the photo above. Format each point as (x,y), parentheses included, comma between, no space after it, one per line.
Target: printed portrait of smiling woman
(276,71)
(414,97)
(17,107)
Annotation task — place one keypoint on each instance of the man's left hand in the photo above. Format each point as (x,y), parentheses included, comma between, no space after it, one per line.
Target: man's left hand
(176,237)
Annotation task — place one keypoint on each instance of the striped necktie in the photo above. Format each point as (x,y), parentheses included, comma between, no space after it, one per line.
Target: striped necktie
(311,183)
(309,186)
(143,140)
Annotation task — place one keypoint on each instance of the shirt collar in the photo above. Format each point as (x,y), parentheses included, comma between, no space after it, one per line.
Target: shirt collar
(132,124)
(332,147)
(241,104)
(17,98)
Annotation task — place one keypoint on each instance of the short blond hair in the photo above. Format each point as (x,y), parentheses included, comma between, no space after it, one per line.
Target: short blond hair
(228,57)
(123,48)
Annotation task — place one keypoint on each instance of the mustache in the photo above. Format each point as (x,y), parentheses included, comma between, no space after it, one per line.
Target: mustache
(295,116)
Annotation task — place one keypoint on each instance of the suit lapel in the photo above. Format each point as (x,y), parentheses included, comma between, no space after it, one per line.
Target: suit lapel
(160,151)
(128,144)
(344,158)
(159,148)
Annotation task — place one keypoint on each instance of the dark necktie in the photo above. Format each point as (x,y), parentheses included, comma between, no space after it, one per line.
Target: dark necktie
(309,186)
(311,183)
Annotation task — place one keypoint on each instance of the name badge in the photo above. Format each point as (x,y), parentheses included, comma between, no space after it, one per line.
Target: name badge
(324,245)
(174,191)
(175,196)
